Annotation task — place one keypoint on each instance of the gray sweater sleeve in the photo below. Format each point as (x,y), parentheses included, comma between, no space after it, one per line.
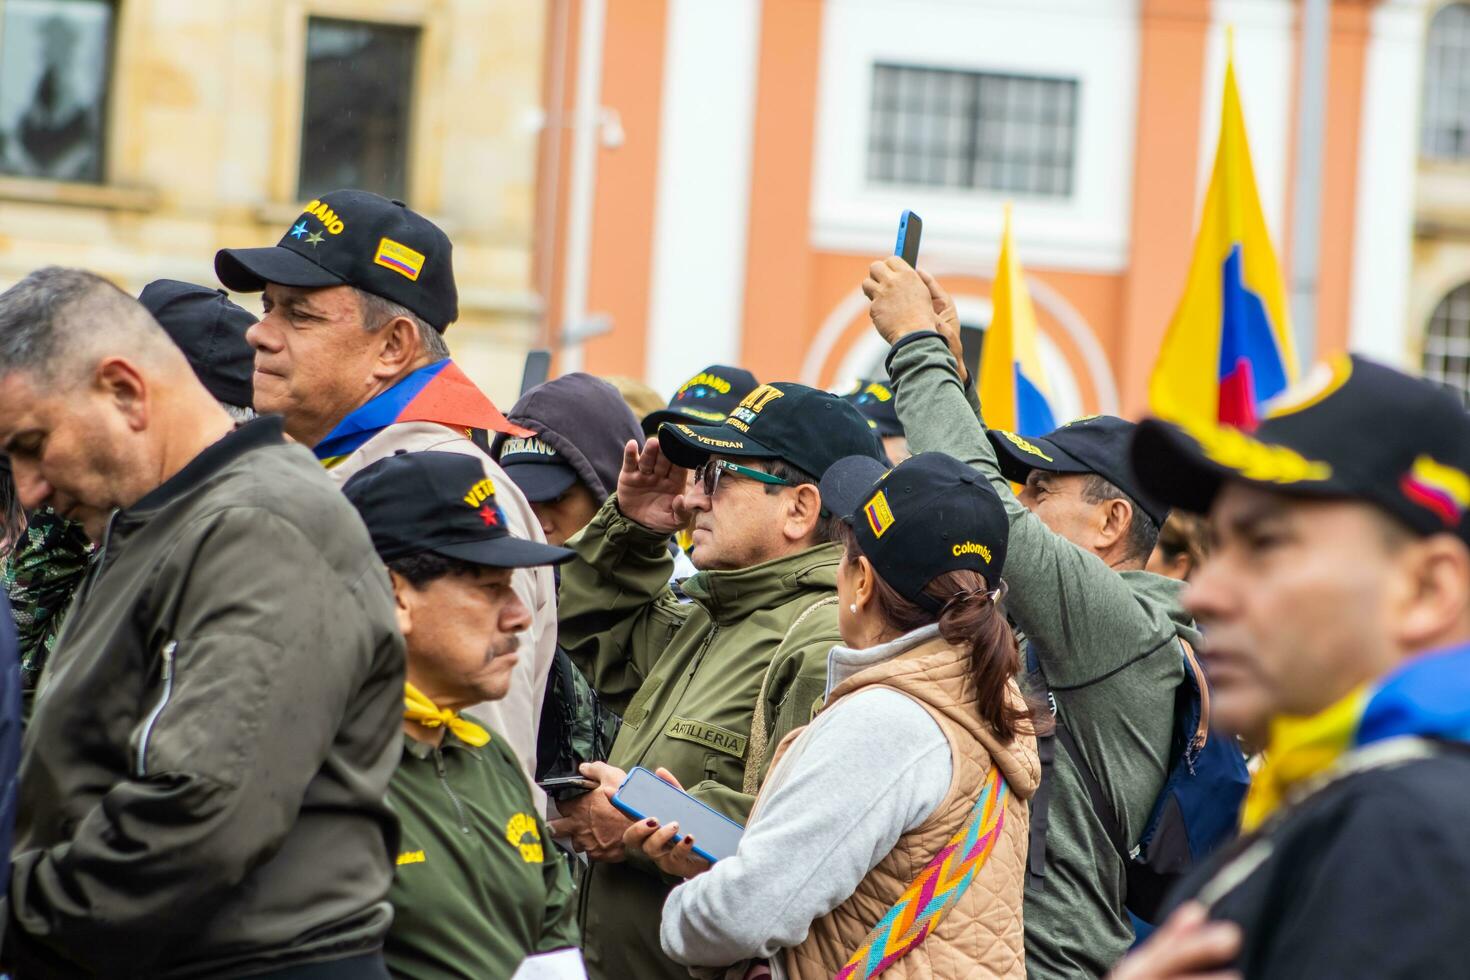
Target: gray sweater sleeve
(1084,619)
(870,770)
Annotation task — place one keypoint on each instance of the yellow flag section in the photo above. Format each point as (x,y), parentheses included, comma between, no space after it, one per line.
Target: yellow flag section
(1013,391)
(1228,349)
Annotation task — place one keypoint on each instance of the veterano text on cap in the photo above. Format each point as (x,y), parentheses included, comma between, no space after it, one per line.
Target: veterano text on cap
(355,238)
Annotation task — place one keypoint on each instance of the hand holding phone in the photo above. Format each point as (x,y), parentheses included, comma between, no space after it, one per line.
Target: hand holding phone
(643,796)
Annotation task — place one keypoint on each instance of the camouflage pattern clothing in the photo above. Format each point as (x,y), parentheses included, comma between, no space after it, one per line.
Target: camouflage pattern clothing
(40,575)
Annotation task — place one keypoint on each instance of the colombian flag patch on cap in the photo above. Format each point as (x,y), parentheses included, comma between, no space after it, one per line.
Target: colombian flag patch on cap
(400,258)
(880,517)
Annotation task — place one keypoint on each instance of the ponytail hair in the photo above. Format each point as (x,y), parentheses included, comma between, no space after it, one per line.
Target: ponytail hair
(970,617)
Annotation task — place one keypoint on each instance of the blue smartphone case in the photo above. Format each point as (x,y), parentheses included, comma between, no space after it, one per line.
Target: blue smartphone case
(633,812)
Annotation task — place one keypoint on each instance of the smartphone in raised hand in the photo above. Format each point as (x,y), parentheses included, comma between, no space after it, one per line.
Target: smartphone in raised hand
(910,227)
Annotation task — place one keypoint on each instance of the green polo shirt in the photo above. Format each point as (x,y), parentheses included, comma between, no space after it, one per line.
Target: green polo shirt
(479,887)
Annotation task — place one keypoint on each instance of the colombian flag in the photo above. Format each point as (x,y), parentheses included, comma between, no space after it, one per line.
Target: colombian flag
(438,392)
(1229,346)
(1012,387)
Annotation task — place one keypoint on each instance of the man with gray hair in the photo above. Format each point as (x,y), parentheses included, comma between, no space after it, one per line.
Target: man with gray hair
(350,351)
(202,781)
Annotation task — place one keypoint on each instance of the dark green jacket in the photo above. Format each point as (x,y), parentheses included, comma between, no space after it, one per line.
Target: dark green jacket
(201,791)
(689,678)
(479,886)
(1106,643)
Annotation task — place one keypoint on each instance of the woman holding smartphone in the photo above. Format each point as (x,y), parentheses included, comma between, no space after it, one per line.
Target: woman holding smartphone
(924,743)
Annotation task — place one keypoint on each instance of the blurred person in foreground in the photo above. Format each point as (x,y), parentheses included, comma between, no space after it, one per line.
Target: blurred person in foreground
(1337,605)
(570,465)
(202,780)
(874,399)
(1102,635)
(708,687)
(350,352)
(923,721)
(479,886)
(1184,544)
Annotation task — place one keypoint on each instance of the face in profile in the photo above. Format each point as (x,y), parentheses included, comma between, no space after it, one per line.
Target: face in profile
(566,515)
(463,630)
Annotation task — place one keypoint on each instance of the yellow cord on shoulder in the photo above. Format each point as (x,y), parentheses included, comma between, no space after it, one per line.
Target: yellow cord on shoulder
(417,708)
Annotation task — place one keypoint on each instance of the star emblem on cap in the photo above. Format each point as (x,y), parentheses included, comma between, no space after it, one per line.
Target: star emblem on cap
(314,238)
(489,516)
(298,230)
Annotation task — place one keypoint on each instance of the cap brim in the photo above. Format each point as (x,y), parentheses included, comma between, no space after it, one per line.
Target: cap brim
(848,482)
(1019,455)
(506,552)
(247,270)
(653,420)
(540,481)
(690,445)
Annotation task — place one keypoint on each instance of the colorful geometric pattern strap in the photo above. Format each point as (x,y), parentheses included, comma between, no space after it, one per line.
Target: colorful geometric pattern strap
(936,889)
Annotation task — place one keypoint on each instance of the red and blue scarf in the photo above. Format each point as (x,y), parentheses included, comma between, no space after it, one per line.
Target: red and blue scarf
(438,392)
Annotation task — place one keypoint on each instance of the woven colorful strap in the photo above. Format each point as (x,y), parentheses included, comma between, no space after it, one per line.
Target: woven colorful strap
(936,889)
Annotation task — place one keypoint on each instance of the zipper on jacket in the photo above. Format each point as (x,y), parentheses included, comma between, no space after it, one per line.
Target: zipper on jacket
(168,689)
(464,823)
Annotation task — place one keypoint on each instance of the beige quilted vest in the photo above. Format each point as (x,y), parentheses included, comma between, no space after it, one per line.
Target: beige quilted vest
(981,935)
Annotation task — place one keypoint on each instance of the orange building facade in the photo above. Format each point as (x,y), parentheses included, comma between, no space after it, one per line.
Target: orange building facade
(716,175)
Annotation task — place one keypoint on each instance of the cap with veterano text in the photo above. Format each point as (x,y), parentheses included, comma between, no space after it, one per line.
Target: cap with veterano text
(539,470)
(1352,429)
(442,503)
(1095,444)
(808,428)
(705,399)
(928,515)
(355,238)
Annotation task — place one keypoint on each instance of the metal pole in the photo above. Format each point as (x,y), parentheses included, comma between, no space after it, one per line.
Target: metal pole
(1306,211)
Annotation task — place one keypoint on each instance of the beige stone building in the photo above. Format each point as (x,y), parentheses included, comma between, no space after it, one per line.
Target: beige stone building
(139,136)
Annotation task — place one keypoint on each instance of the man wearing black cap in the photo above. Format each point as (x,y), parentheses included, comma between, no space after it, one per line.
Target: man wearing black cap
(707,688)
(202,781)
(479,886)
(351,352)
(210,330)
(874,400)
(1102,634)
(1337,606)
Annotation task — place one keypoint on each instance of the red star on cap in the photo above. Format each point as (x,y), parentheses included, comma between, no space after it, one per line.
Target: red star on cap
(489,516)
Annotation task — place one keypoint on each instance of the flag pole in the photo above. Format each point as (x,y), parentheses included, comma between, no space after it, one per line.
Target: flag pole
(1306,216)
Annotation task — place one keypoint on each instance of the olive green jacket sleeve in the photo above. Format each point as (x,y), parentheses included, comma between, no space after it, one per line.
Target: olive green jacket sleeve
(616,610)
(559,928)
(1084,620)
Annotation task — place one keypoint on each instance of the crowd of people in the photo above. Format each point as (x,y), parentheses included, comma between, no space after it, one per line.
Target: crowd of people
(316,665)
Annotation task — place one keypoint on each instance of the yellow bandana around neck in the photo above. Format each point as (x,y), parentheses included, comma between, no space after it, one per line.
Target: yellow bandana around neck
(1298,749)
(417,708)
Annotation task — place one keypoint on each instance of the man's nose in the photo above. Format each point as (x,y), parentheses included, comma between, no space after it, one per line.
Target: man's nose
(262,334)
(514,616)
(31,488)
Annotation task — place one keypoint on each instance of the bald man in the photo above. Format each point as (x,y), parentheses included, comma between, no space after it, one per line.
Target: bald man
(202,780)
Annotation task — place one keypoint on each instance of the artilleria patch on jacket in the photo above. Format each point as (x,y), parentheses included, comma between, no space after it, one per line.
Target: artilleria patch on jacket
(703,733)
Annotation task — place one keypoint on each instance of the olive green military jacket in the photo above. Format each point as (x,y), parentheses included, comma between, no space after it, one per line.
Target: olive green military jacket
(707,688)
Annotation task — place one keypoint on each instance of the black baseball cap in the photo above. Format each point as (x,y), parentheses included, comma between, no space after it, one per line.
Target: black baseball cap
(442,503)
(874,401)
(1352,429)
(808,428)
(210,330)
(1096,444)
(535,467)
(928,515)
(705,399)
(355,238)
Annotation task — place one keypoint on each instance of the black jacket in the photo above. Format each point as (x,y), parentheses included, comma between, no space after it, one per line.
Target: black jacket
(1368,878)
(203,778)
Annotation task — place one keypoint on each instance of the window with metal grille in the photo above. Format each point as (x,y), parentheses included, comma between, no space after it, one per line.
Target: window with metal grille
(1447,342)
(944,128)
(355,116)
(1445,133)
(55,59)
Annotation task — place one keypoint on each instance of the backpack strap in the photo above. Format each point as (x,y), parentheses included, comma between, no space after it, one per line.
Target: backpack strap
(759,730)
(936,889)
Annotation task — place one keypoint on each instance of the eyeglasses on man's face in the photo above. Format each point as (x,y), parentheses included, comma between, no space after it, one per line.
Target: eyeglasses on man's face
(707,475)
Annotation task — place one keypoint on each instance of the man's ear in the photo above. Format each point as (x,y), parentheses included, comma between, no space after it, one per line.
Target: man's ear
(400,346)
(1114,517)
(120,381)
(403,594)
(803,511)
(1437,610)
